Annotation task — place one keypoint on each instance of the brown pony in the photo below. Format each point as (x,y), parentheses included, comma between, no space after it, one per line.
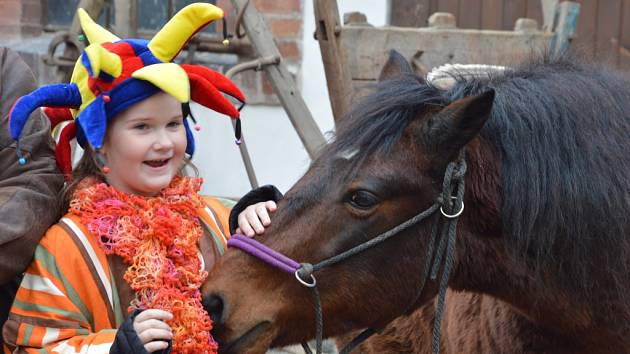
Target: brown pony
(542,258)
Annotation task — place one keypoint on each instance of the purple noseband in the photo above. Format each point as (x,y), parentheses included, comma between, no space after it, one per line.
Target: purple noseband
(263,253)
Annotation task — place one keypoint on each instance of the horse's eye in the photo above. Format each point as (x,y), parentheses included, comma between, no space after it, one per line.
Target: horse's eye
(363,200)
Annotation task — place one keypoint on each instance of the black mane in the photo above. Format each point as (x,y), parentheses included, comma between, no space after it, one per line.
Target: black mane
(561,130)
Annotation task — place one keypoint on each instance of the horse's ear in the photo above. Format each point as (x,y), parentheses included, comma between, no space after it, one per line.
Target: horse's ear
(395,66)
(454,126)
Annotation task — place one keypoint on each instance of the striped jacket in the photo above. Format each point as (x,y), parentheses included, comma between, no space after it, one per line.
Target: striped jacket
(73,298)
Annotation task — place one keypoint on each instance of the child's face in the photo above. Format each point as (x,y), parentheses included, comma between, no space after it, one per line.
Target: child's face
(145,145)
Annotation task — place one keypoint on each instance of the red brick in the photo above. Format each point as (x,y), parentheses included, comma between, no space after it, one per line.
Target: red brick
(278,6)
(10,12)
(285,28)
(32,12)
(266,86)
(289,50)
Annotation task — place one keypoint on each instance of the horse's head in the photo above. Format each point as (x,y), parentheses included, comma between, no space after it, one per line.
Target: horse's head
(385,165)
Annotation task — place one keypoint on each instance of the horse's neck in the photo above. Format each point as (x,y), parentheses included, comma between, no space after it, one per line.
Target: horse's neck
(555,317)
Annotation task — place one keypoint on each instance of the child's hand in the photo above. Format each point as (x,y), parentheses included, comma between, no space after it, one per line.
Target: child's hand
(253,220)
(152,330)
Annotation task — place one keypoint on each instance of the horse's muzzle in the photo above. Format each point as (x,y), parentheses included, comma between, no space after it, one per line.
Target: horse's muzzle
(214,305)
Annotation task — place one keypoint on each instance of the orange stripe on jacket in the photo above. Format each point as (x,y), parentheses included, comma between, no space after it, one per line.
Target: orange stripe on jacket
(222,212)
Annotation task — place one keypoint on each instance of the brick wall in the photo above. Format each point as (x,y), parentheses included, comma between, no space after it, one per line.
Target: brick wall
(284,19)
(20,17)
(10,11)
(24,19)
(31,17)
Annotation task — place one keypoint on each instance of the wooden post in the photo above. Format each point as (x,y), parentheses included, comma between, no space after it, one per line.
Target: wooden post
(549,12)
(126,18)
(567,14)
(338,78)
(281,80)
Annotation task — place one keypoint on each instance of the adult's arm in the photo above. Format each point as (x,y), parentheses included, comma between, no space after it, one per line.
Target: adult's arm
(28,193)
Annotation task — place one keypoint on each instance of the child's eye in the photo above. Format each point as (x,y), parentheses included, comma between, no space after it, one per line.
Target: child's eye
(174,124)
(141,126)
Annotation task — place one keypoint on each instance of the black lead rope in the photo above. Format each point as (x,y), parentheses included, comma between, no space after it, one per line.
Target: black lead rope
(451,205)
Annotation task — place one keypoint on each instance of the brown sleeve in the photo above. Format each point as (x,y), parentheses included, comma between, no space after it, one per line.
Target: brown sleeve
(28,194)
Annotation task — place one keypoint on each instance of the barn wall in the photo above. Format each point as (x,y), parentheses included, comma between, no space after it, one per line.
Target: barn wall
(603,27)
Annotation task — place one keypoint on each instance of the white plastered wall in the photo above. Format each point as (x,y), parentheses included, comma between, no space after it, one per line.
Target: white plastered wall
(276,151)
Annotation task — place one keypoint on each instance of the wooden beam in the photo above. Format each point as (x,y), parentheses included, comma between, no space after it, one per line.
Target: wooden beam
(339,82)
(126,25)
(549,11)
(281,80)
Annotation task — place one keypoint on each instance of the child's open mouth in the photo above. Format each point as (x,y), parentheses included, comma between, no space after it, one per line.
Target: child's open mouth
(156,163)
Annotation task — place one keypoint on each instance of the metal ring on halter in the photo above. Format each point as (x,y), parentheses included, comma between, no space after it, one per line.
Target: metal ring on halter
(310,285)
(453,216)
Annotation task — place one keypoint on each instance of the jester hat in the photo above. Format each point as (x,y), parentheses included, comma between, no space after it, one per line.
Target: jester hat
(112,74)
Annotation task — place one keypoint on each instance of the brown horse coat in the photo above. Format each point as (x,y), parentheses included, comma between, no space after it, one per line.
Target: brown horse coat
(542,259)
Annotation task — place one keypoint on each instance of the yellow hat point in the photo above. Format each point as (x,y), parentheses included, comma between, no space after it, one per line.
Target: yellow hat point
(168,42)
(169,77)
(102,59)
(93,31)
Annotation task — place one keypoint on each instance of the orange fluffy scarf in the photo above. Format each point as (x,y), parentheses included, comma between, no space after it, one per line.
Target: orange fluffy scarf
(157,238)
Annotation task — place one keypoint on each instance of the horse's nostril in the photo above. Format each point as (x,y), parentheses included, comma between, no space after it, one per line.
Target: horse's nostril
(214,306)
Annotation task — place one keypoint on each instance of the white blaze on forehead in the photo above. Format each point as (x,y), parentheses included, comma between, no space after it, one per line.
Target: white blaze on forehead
(348,154)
